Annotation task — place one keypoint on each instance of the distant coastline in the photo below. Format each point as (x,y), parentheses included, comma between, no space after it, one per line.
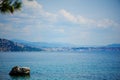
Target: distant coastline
(9,45)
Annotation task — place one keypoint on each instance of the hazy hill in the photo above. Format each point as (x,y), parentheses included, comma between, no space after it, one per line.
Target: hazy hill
(43,44)
(53,45)
(21,45)
(8,45)
(114,45)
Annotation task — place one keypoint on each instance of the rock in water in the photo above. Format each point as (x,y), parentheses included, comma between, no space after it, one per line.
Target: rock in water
(19,71)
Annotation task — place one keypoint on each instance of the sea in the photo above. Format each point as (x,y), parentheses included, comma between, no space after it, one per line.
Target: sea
(45,65)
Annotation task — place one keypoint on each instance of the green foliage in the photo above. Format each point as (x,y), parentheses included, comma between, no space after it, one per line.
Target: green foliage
(10,6)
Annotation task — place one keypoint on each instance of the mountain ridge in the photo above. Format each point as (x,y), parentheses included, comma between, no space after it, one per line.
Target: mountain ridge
(20,45)
(8,45)
(43,44)
(51,45)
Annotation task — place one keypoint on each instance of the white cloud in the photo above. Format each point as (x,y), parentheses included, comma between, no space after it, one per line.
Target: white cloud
(88,21)
(37,10)
(84,20)
(81,19)
(33,12)
(32,4)
(68,15)
(106,23)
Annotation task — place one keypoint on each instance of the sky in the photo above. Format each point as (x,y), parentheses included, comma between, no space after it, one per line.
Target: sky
(79,22)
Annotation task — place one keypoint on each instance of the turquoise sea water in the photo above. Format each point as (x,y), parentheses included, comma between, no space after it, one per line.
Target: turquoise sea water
(63,65)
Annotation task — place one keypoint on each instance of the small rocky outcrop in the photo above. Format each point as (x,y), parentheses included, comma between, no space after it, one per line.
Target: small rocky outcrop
(20,71)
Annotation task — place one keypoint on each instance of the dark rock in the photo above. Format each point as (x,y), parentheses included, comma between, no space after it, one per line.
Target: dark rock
(19,71)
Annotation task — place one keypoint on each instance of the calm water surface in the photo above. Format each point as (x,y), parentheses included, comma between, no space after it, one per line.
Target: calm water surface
(62,65)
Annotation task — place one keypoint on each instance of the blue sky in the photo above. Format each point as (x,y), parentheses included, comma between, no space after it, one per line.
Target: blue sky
(80,22)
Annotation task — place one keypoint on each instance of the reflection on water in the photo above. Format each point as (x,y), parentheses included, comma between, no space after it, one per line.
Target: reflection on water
(27,77)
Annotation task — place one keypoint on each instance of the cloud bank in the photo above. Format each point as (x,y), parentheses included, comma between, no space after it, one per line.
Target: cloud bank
(78,19)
